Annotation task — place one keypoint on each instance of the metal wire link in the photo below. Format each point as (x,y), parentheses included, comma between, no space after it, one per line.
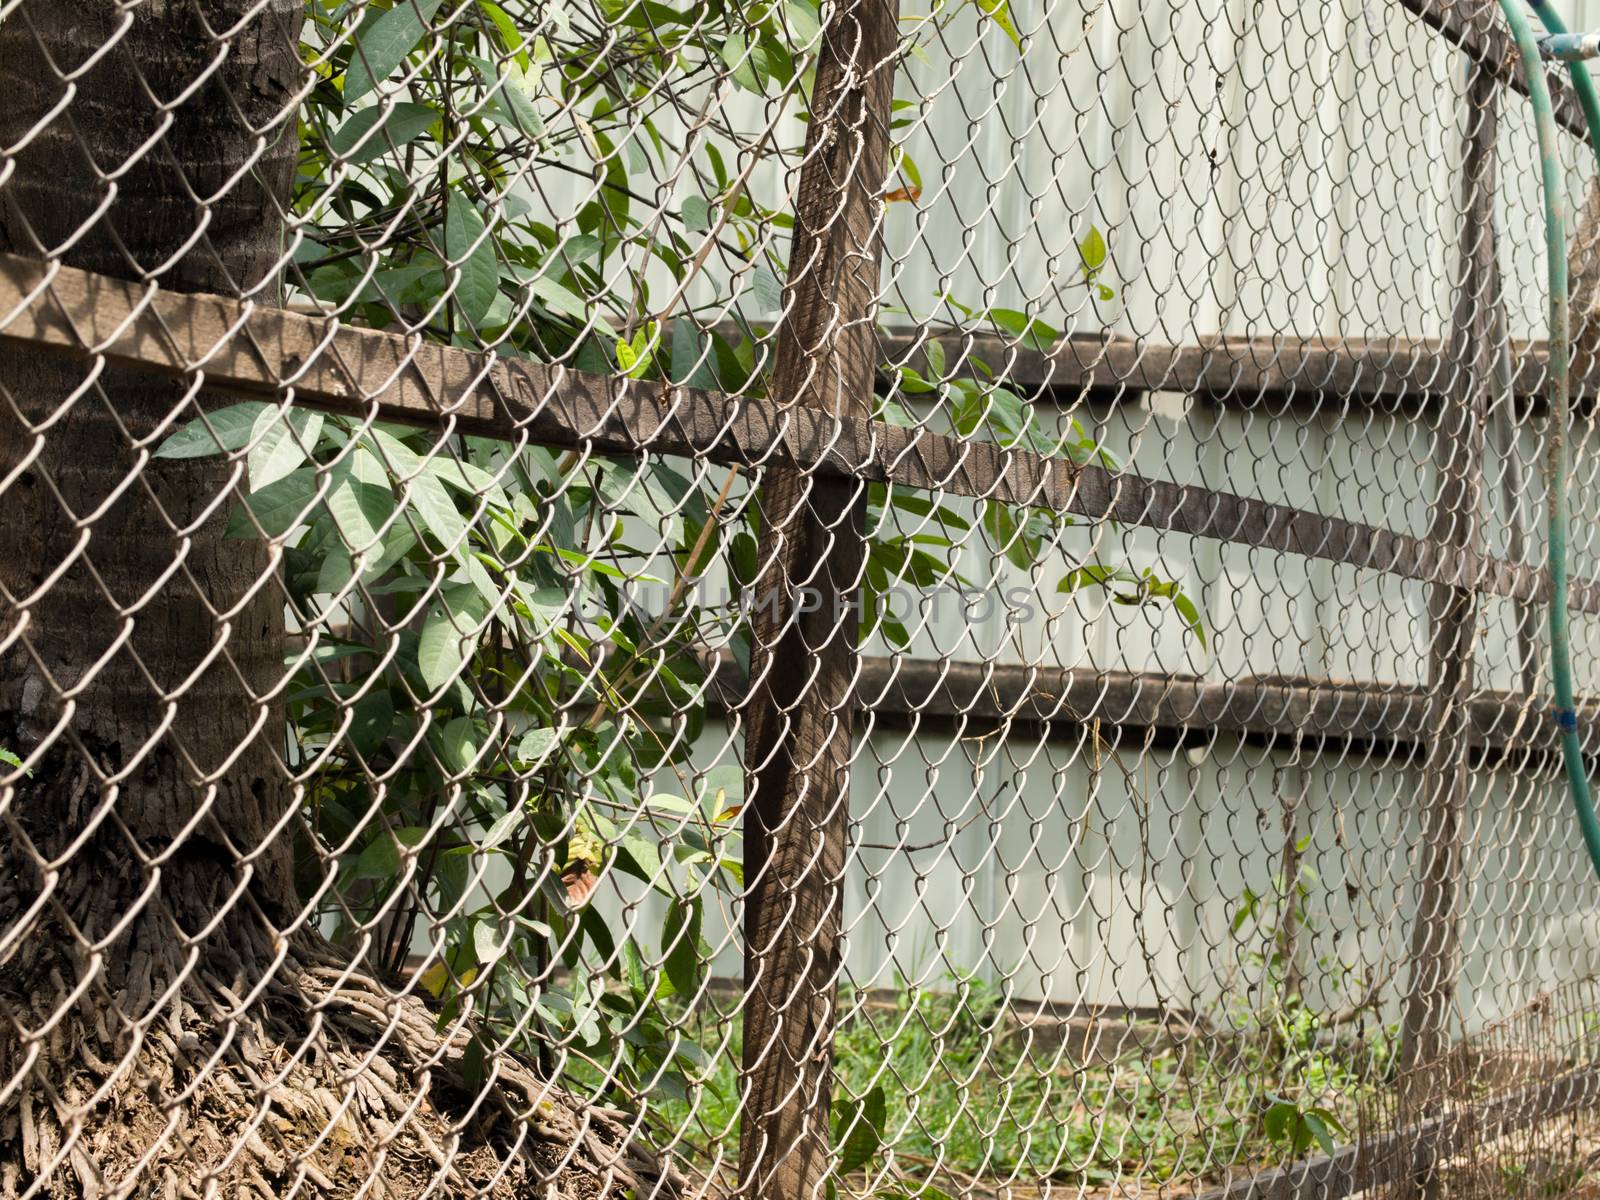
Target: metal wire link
(629,598)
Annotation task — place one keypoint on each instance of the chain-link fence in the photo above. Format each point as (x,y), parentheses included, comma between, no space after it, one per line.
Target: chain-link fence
(639,598)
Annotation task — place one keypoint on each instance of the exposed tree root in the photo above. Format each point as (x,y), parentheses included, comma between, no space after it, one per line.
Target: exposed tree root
(324,1085)
(248,1065)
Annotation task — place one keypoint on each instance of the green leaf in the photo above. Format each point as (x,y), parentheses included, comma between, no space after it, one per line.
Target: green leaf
(11,760)
(667,802)
(1014,535)
(696,213)
(503,828)
(510,36)
(1092,248)
(425,492)
(894,413)
(648,15)
(718,167)
(589,562)
(381,858)
(1249,905)
(232,426)
(641,858)
(1318,1128)
(1280,1120)
(556,298)
(1191,614)
(1094,576)
(279,442)
(858,1128)
(907,167)
(1329,1118)
(510,102)
(415,283)
(455,472)
(486,942)
(740,58)
(925,506)
(384,42)
(652,491)
(370,721)
(913,384)
(360,511)
(692,358)
(339,566)
(1030,330)
(536,745)
(804,23)
(768,290)
(680,944)
(545,606)
(456,744)
(471,250)
(392,128)
(278,507)
(449,635)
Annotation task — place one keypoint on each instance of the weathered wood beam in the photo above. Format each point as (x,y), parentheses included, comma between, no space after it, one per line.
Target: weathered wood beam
(1384,719)
(317,362)
(1253,373)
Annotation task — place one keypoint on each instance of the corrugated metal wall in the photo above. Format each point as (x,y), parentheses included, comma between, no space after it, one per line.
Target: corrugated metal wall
(1256,169)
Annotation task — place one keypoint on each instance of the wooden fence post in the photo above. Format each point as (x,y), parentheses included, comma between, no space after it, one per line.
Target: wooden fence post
(801,703)
(1530,625)
(1436,928)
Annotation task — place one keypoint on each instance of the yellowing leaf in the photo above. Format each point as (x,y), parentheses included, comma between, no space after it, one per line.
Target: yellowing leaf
(635,356)
(999,12)
(435,978)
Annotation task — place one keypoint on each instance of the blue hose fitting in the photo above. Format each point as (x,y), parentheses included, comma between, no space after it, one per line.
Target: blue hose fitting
(1570,47)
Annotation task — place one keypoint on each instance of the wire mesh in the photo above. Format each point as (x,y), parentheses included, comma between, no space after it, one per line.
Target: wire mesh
(625,598)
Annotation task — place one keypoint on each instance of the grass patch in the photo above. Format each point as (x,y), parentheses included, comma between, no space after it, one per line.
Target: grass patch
(968,1093)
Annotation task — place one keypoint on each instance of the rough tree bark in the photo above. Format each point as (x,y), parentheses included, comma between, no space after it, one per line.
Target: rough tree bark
(170,1024)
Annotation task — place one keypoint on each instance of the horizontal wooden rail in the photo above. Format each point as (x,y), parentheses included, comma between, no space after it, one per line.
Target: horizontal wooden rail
(1323,712)
(1411,1152)
(1400,375)
(321,363)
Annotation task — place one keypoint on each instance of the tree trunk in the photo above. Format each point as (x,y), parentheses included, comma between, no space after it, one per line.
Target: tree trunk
(166,636)
(175,1027)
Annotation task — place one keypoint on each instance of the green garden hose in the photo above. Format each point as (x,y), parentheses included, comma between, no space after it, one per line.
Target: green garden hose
(1556,470)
